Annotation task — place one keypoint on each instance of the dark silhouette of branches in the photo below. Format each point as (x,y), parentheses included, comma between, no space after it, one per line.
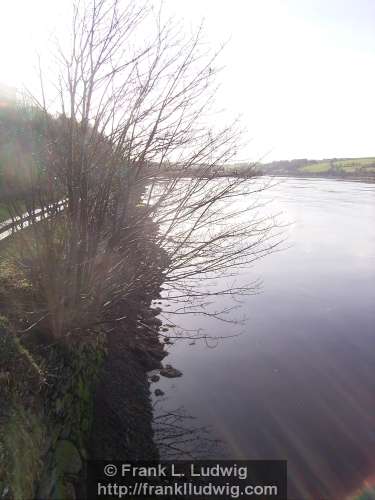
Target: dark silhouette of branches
(179,437)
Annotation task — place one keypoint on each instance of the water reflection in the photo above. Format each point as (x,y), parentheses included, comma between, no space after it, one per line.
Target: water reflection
(179,436)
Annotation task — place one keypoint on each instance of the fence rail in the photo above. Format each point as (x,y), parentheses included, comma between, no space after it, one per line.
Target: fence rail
(11,226)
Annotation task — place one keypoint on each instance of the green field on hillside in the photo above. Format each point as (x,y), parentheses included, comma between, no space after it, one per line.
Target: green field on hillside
(346,166)
(316,167)
(335,167)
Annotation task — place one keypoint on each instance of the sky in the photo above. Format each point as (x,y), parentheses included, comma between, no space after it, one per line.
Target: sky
(300,73)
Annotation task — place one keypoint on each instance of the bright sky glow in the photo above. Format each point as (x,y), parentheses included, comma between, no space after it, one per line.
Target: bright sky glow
(300,72)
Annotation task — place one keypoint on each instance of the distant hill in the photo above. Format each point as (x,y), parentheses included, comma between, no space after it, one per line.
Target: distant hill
(360,168)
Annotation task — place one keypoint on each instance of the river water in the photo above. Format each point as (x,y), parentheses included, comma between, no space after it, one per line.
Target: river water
(298,383)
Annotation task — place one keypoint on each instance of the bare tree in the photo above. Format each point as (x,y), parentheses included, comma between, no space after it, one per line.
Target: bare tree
(130,137)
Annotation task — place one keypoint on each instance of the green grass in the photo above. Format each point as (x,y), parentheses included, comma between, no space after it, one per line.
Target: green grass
(19,206)
(360,166)
(356,162)
(315,168)
(350,169)
(329,167)
(4,214)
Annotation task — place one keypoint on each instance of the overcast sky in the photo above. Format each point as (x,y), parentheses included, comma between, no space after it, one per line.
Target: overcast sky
(300,72)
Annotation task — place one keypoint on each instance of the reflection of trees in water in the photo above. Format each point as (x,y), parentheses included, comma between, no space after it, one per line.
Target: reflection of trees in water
(178,436)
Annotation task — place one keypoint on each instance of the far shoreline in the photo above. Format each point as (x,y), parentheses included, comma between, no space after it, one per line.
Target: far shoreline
(368,180)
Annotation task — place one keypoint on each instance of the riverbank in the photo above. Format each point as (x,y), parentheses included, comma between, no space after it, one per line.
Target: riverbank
(351,178)
(122,426)
(67,403)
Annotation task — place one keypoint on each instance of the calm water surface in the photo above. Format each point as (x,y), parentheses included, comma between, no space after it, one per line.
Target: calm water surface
(299,383)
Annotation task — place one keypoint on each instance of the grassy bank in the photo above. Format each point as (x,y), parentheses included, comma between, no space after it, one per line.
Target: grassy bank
(18,208)
(59,396)
(46,397)
(4,214)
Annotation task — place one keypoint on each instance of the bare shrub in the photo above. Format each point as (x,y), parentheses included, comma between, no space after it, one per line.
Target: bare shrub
(127,116)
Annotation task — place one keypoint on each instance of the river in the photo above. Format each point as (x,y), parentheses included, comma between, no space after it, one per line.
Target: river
(298,383)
